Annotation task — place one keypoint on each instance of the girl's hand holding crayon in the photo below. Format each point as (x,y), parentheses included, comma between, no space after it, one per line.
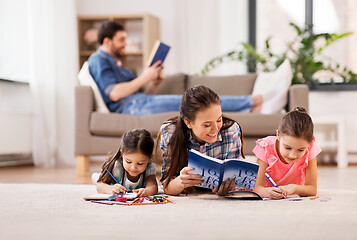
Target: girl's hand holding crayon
(140,192)
(276,193)
(289,189)
(117,188)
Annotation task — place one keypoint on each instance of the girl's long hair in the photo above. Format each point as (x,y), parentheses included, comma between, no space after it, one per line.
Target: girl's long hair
(137,140)
(193,101)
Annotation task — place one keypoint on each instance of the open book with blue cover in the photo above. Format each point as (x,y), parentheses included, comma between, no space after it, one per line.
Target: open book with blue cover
(158,52)
(214,171)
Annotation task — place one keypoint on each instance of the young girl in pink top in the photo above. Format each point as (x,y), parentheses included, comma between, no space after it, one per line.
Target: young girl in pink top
(289,158)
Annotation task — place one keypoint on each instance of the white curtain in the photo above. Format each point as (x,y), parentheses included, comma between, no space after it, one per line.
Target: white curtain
(53,68)
(210,28)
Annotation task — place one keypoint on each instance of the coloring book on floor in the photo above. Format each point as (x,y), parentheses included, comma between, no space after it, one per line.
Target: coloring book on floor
(214,171)
(101,196)
(243,195)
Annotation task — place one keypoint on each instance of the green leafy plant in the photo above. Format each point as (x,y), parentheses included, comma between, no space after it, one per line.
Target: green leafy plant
(304,54)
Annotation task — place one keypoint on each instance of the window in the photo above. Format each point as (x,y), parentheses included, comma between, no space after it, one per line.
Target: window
(273,18)
(332,16)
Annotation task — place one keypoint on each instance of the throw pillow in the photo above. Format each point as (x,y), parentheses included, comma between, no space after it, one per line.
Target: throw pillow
(274,86)
(86,79)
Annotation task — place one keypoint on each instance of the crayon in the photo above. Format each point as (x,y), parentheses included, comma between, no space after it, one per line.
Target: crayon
(147,203)
(120,199)
(272,182)
(113,177)
(168,200)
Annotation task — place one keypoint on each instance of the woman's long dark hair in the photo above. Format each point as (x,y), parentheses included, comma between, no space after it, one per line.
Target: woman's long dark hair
(194,100)
(137,140)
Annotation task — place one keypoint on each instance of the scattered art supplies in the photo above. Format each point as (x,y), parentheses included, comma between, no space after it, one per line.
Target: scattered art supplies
(215,171)
(158,52)
(121,200)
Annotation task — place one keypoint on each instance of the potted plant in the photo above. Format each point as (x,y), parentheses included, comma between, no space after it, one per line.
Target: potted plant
(304,54)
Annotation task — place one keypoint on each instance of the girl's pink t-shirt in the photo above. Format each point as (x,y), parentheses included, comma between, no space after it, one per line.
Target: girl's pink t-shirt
(283,173)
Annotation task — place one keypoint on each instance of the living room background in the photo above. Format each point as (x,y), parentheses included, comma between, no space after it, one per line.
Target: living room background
(196,30)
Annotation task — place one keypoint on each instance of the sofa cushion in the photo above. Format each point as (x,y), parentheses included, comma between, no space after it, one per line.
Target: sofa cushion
(173,84)
(111,124)
(116,124)
(274,87)
(153,122)
(222,85)
(86,79)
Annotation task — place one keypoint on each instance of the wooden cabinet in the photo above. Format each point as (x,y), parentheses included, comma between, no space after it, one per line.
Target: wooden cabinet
(142,29)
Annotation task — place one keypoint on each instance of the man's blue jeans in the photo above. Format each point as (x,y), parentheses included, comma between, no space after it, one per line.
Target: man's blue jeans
(171,103)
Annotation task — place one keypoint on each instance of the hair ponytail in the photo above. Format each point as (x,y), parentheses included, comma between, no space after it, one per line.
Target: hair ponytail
(177,148)
(301,109)
(297,123)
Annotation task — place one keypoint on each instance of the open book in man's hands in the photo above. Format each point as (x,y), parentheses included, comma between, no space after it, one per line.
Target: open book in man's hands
(214,171)
(158,52)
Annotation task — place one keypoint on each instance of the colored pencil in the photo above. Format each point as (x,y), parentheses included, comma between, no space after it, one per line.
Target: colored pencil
(168,200)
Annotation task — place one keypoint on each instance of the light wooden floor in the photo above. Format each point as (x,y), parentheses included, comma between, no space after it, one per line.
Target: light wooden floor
(329,177)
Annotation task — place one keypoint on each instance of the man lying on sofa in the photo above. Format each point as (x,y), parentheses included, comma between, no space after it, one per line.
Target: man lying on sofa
(119,86)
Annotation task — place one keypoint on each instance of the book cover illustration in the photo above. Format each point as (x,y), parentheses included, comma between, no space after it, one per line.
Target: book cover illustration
(214,171)
(159,52)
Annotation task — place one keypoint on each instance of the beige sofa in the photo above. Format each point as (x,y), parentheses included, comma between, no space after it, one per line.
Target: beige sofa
(99,133)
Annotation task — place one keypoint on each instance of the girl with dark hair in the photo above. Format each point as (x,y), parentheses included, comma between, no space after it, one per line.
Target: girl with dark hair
(289,158)
(200,126)
(131,166)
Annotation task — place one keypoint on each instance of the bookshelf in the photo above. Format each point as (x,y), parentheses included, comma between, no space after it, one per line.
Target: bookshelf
(142,29)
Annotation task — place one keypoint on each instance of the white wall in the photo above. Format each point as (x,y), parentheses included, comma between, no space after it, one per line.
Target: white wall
(166,11)
(15,118)
(15,98)
(61,61)
(13,40)
(197,30)
(53,76)
(337,103)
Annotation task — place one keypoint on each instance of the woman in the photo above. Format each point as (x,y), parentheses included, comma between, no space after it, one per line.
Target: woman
(200,126)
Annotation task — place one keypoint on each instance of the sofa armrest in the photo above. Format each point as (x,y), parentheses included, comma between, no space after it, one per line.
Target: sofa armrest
(84,106)
(299,96)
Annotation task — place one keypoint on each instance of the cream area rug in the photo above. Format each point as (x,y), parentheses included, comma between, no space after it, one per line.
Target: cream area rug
(58,211)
